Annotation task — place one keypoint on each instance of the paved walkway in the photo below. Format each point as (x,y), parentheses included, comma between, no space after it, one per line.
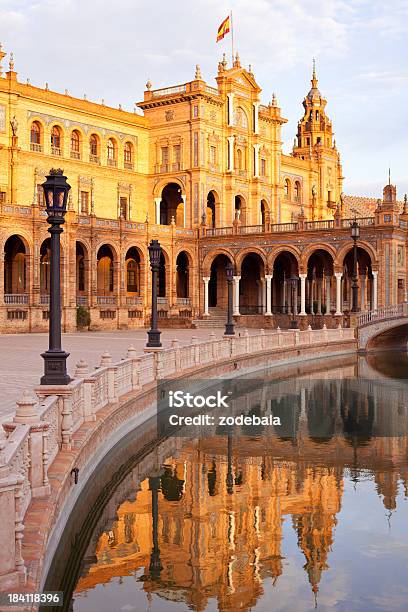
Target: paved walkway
(21,364)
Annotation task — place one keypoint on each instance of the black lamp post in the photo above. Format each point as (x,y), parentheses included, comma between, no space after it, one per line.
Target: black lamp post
(229,327)
(153,333)
(55,359)
(293,285)
(355,234)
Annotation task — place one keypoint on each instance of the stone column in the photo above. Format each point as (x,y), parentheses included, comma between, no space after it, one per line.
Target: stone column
(157,210)
(328,294)
(206,280)
(319,282)
(230,98)
(256,117)
(230,167)
(256,160)
(261,295)
(184,198)
(235,296)
(362,291)
(284,297)
(338,276)
(268,279)
(302,294)
(375,290)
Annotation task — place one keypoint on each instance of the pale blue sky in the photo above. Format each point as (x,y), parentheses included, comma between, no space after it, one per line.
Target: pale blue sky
(109,49)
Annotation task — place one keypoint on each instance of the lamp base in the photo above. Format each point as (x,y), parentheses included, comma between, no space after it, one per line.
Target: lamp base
(229,329)
(153,336)
(55,368)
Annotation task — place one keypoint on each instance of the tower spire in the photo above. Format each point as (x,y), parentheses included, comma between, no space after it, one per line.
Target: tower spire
(314,78)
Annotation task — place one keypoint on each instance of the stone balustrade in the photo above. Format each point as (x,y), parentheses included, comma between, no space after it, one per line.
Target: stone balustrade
(44,426)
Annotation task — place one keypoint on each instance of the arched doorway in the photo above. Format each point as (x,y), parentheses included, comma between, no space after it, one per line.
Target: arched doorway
(15,271)
(217,288)
(81,274)
(210,210)
(364,280)
(132,274)
(264,213)
(320,289)
(252,298)
(105,271)
(285,266)
(182,276)
(172,205)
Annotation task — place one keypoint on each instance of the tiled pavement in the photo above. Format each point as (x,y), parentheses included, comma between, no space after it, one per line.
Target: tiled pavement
(21,365)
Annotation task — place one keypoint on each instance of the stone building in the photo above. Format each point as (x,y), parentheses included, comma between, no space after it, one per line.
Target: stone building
(203,171)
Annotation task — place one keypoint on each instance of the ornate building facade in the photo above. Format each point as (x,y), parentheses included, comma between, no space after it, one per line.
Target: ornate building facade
(203,171)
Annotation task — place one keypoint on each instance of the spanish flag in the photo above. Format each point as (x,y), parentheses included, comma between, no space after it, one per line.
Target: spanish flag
(223,29)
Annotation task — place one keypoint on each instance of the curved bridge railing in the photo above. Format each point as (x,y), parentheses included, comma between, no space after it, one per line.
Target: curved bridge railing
(45,425)
(381,314)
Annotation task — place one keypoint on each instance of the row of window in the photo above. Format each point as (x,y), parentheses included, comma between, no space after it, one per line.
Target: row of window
(36,144)
(84,202)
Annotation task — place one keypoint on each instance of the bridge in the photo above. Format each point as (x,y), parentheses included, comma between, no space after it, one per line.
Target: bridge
(384,328)
(76,425)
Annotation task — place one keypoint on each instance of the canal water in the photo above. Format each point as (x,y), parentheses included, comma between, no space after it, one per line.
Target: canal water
(309,514)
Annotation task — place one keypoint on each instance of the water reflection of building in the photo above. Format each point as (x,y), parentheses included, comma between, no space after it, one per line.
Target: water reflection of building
(220,517)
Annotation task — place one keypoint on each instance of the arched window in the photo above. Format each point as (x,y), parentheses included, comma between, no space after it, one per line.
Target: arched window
(111,149)
(56,140)
(35,136)
(128,156)
(94,149)
(287,189)
(298,191)
(132,277)
(75,142)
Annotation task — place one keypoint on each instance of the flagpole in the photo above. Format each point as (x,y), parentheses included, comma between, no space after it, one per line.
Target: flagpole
(232,39)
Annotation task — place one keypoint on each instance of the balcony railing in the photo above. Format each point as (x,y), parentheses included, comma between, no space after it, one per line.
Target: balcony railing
(284,227)
(132,300)
(56,151)
(168,91)
(312,225)
(362,221)
(250,229)
(112,162)
(162,300)
(45,298)
(36,147)
(211,90)
(75,155)
(218,231)
(95,159)
(16,298)
(105,300)
(183,301)
(82,300)
(128,165)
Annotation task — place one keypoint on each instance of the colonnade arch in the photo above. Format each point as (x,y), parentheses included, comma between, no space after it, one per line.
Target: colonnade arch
(15,266)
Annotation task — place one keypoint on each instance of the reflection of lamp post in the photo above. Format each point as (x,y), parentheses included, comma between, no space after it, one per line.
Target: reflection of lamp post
(230,479)
(154,334)
(355,234)
(155,566)
(229,327)
(55,359)
(293,281)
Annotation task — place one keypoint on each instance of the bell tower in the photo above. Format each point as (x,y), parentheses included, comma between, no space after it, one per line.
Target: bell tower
(314,143)
(315,128)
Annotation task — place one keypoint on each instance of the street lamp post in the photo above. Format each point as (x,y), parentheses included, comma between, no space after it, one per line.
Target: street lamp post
(153,333)
(355,234)
(55,359)
(229,327)
(293,285)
